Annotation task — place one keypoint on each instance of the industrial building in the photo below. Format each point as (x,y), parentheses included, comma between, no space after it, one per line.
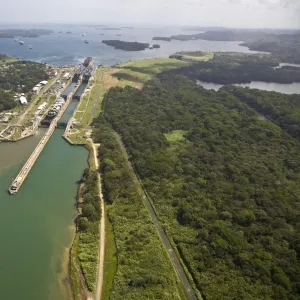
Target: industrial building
(23,100)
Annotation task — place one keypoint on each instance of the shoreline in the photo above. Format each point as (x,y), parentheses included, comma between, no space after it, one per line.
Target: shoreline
(78,285)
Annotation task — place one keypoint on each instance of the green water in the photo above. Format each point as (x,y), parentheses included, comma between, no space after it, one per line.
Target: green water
(35,224)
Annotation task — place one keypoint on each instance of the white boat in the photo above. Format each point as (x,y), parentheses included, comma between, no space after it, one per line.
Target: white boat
(21,42)
(30,47)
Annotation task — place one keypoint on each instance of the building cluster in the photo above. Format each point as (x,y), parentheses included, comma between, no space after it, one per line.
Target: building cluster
(39,86)
(5,117)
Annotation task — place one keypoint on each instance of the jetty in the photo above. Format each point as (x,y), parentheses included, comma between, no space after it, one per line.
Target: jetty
(18,181)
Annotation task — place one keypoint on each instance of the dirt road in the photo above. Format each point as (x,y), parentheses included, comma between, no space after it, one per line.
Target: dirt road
(101,232)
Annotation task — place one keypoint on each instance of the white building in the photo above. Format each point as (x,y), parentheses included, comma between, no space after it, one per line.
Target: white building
(23,100)
(67,75)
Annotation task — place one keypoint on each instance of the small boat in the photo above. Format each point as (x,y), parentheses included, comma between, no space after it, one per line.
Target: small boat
(30,47)
(21,43)
(83,34)
(119,34)
(86,41)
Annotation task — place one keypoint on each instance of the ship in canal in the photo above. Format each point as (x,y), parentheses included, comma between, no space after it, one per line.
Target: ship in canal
(88,61)
(85,70)
(53,111)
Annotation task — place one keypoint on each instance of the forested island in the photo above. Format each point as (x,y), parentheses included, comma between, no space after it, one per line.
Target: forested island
(166,39)
(225,184)
(33,33)
(286,46)
(19,77)
(126,46)
(230,68)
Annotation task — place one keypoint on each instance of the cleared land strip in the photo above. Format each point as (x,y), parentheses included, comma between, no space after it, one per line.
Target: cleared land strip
(101,232)
(180,271)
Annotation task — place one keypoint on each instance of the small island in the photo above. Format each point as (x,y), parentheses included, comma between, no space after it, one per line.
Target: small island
(33,33)
(162,38)
(110,28)
(126,46)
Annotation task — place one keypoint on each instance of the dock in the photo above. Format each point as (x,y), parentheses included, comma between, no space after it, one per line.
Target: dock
(18,181)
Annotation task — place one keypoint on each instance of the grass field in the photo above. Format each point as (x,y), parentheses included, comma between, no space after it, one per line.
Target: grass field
(137,73)
(175,136)
(7,60)
(196,55)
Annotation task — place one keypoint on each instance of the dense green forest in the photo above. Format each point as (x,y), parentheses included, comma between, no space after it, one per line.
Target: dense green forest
(225,185)
(19,77)
(229,68)
(284,46)
(126,46)
(144,270)
(282,109)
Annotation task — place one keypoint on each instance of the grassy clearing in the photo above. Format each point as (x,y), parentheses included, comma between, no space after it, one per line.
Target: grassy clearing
(110,260)
(196,55)
(176,135)
(7,60)
(139,72)
(78,137)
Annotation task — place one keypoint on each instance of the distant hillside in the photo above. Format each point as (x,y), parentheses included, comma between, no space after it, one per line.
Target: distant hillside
(11,33)
(285,46)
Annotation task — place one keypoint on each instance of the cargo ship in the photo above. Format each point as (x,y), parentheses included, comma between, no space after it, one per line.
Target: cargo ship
(85,70)
(88,61)
(53,111)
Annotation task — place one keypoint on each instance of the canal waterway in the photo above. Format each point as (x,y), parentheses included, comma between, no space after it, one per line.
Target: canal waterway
(69,112)
(36,225)
(285,88)
(68,90)
(80,90)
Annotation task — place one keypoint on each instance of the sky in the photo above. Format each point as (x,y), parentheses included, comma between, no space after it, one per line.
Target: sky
(226,13)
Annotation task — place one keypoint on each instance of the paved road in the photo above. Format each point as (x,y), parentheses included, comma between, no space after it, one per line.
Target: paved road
(165,240)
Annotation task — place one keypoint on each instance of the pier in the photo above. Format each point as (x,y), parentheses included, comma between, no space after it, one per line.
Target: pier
(18,181)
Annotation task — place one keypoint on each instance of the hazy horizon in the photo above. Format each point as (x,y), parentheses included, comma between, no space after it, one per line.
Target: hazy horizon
(278,14)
